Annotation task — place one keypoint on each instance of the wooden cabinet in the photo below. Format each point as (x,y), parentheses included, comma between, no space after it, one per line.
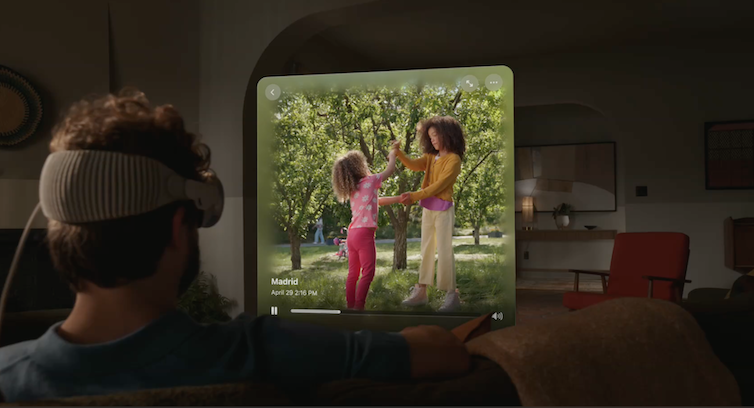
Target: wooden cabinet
(739,244)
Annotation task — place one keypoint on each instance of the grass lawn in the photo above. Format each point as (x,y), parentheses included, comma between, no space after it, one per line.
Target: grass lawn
(481,281)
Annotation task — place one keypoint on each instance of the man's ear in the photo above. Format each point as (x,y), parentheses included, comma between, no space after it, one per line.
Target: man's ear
(178,225)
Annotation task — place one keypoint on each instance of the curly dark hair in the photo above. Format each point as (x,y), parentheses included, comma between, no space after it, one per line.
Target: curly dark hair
(114,252)
(451,132)
(347,171)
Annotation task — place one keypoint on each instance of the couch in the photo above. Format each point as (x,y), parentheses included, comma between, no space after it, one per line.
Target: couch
(620,352)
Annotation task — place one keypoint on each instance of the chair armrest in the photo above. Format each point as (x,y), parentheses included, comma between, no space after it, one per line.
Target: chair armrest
(659,278)
(600,273)
(708,294)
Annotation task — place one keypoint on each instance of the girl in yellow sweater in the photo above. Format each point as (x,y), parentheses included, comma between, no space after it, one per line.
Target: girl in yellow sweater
(444,144)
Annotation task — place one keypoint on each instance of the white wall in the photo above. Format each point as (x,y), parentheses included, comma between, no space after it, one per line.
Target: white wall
(155,47)
(63,52)
(656,100)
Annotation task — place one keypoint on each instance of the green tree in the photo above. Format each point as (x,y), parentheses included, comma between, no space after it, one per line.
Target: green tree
(302,155)
(479,189)
(311,128)
(481,194)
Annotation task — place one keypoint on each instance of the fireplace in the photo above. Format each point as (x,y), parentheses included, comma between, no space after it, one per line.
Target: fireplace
(37,285)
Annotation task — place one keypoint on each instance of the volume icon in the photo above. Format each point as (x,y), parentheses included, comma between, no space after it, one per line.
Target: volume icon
(497,316)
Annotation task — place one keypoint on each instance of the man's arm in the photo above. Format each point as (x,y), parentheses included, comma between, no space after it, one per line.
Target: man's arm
(292,351)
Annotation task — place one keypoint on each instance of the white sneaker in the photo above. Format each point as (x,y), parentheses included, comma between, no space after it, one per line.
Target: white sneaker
(418,297)
(452,302)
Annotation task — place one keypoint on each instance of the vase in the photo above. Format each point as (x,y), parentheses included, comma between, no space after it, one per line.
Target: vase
(562,221)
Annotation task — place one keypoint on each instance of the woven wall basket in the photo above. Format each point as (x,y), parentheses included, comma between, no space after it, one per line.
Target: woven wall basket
(20,108)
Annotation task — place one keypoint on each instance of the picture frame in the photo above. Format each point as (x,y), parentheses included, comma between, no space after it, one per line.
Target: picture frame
(729,155)
(584,175)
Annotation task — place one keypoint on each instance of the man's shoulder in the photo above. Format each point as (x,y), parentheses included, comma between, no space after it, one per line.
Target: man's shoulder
(15,370)
(15,355)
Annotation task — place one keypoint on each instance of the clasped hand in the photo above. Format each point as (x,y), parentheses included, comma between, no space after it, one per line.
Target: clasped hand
(404,198)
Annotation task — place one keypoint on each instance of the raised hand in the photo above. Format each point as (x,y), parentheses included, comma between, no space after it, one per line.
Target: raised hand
(396,144)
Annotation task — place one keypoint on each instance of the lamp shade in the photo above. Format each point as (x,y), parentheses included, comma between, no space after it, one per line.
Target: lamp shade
(527,209)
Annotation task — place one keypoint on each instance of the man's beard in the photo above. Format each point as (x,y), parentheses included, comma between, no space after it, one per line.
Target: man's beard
(192,267)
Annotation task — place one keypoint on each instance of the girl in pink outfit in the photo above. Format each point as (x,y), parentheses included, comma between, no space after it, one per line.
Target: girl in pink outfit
(351,180)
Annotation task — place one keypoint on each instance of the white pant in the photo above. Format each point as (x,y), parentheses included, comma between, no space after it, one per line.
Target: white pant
(437,234)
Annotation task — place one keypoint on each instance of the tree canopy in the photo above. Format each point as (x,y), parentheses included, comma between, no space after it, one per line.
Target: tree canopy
(313,128)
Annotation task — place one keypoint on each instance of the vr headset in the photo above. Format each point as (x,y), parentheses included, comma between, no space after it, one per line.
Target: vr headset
(83,186)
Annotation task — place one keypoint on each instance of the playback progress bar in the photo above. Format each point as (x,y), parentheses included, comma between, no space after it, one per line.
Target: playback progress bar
(316,311)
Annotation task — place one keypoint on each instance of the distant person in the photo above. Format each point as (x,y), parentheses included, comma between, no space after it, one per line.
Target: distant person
(352,181)
(319,237)
(125,333)
(444,143)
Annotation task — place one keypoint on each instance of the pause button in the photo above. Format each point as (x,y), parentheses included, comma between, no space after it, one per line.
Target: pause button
(274,310)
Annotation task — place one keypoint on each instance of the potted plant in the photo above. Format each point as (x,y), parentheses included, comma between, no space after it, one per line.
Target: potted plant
(561,214)
(203,301)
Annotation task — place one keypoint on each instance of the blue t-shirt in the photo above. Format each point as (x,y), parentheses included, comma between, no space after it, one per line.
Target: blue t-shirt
(176,351)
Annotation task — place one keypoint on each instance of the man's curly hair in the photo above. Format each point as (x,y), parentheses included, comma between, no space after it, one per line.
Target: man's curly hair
(114,252)
(347,171)
(452,135)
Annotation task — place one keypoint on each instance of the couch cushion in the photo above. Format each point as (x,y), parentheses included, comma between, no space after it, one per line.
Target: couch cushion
(486,384)
(580,300)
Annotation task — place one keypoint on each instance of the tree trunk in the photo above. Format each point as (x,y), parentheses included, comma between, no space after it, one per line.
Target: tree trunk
(295,249)
(400,258)
(476,234)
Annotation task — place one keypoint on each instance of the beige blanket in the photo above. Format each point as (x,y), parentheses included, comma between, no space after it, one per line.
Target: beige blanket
(622,352)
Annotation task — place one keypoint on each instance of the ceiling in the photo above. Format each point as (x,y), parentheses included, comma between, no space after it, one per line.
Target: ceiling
(443,32)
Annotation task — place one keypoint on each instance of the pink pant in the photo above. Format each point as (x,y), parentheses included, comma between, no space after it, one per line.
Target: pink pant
(362,254)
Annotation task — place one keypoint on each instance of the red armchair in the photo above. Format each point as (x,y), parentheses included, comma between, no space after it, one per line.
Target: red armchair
(649,264)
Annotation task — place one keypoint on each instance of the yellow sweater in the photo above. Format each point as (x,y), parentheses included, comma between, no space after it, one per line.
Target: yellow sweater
(439,175)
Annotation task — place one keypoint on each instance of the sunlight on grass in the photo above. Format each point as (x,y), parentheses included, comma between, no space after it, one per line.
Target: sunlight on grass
(479,277)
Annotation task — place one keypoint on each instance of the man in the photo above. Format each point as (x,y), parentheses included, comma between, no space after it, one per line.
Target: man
(124,332)
(319,237)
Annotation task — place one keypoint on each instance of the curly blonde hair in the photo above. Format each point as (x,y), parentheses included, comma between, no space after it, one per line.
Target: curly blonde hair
(347,171)
(113,252)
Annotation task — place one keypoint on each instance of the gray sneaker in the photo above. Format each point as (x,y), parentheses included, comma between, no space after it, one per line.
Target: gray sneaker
(418,297)
(452,302)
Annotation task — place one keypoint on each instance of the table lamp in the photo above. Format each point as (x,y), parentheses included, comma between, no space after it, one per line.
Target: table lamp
(527,211)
